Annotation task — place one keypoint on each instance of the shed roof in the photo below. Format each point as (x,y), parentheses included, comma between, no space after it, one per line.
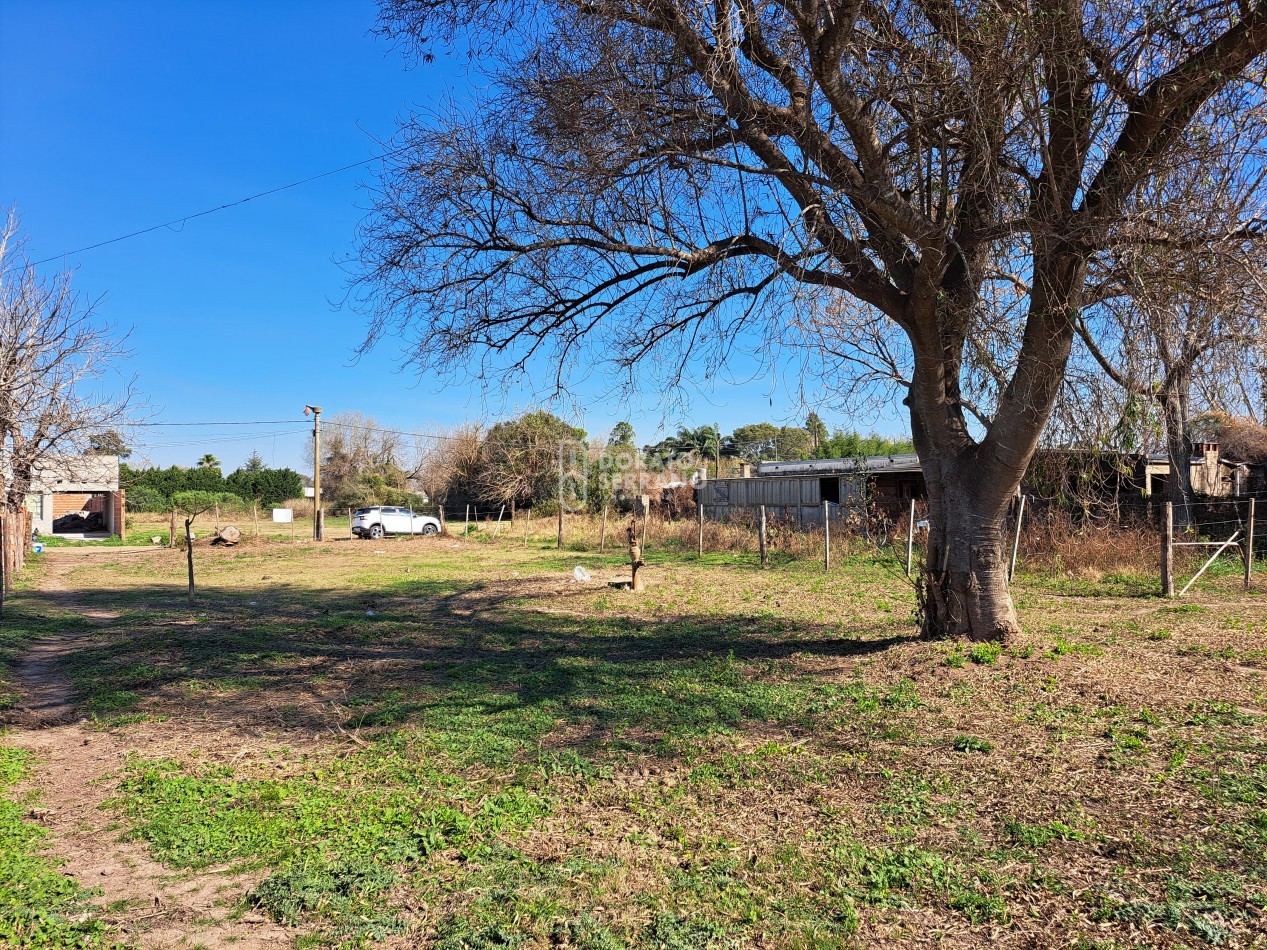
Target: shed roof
(871,465)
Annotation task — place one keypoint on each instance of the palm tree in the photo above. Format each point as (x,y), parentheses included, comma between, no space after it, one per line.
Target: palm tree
(704,441)
(208,461)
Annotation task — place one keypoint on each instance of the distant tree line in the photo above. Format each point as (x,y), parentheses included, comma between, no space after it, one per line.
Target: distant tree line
(153,489)
(765,441)
(516,463)
(538,460)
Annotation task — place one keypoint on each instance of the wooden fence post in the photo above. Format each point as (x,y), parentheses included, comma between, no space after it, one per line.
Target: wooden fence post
(1168,550)
(1249,544)
(171,533)
(761,538)
(1016,539)
(910,539)
(602,534)
(826,536)
(699,515)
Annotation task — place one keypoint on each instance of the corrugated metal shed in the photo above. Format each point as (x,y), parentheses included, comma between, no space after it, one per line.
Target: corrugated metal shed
(799,498)
(797,490)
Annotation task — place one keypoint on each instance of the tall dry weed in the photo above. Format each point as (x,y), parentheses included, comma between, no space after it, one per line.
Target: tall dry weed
(1054,540)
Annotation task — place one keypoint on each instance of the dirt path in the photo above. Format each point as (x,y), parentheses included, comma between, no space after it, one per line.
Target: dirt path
(75,771)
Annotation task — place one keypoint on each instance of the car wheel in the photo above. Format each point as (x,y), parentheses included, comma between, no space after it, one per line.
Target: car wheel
(430,529)
(376,531)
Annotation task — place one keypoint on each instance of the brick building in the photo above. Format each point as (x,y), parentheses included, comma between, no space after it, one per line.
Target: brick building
(85,485)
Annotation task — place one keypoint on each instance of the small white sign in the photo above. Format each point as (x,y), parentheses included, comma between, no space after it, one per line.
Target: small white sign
(283,515)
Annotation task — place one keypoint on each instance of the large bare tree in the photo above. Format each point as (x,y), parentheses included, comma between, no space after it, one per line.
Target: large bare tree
(655,181)
(60,385)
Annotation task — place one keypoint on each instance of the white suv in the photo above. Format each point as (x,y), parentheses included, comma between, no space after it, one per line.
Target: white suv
(381,520)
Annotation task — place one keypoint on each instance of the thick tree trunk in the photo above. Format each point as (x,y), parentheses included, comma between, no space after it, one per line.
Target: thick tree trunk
(965,581)
(971,482)
(1174,405)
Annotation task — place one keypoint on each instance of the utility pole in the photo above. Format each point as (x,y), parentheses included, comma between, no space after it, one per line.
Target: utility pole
(318,532)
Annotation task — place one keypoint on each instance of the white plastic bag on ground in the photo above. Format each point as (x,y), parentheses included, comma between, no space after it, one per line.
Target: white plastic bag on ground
(581,574)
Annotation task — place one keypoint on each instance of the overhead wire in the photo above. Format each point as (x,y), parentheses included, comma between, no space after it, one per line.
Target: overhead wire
(232,204)
(215,440)
(257,422)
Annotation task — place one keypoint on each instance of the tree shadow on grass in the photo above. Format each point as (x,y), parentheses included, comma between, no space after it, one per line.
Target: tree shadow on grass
(481,673)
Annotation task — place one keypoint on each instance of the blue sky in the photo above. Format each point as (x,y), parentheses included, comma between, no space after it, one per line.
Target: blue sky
(115,116)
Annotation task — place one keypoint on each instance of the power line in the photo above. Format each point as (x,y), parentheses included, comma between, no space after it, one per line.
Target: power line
(221,440)
(420,435)
(231,204)
(290,422)
(258,422)
(324,422)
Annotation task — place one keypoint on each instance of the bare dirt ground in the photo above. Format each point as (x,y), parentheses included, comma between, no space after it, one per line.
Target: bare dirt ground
(74,775)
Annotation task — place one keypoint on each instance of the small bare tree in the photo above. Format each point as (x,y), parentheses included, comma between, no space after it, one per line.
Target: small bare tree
(191,504)
(445,461)
(359,459)
(58,370)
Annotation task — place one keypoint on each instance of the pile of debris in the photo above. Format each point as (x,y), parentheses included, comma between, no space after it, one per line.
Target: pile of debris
(79,522)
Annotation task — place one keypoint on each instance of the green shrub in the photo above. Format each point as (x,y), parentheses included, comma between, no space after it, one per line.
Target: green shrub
(971,744)
(985,652)
(145,498)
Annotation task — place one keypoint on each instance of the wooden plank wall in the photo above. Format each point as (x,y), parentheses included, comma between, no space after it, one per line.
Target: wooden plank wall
(796,497)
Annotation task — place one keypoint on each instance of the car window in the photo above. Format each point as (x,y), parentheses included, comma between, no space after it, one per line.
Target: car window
(363,511)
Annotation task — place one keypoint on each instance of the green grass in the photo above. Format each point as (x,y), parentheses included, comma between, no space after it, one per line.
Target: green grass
(500,756)
(335,836)
(39,907)
(23,624)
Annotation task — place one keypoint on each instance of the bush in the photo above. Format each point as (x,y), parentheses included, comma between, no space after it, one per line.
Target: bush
(168,481)
(677,503)
(269,486)
(143,498)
